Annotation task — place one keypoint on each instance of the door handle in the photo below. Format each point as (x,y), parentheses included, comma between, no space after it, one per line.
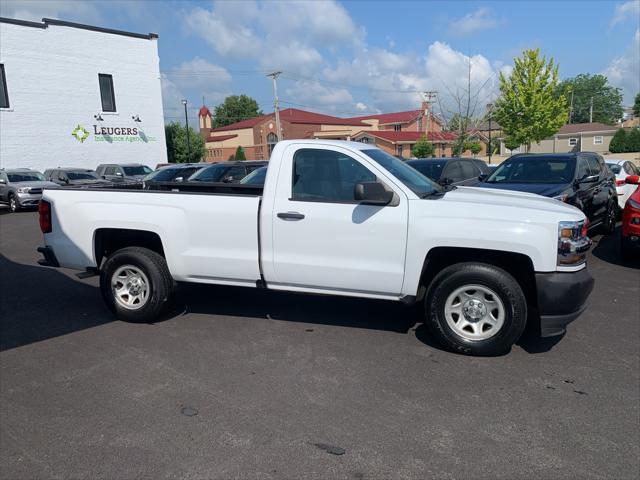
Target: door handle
(290,216)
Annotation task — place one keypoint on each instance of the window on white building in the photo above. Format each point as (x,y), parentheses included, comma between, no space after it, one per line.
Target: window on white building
(4,95)
(573,142)
(597,140)
(106,92)
(397,127)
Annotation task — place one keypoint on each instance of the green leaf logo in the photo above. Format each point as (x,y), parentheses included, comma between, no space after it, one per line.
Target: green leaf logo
(80,133)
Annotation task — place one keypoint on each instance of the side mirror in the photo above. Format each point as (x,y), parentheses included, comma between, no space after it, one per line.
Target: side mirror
(483,177)
(372,193)
(632,180)
(229,179)
(65,180)
(589,179)
(444,181)
(2,180)
(178,179)
(118,174)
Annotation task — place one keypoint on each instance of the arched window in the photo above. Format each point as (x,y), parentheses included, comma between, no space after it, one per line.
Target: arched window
(272,139)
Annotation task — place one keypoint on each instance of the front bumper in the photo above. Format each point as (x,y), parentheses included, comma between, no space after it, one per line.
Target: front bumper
(561,299)
(29,199)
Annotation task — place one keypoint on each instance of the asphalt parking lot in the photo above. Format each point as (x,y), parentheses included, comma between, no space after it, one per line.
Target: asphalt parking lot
(237,383)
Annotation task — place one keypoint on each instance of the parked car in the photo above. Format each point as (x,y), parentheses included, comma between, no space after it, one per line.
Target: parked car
(451,170)
(227,172)
(257,177)
(80,177)
(579,179)
(176,172)
(340,218)
(630,234)
(22,188)
(123,173)
(622,169)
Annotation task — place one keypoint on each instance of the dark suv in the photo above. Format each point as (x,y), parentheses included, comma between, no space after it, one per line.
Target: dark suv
(124,172)
(580,179)
(227,172)
(75,177)
(453,170)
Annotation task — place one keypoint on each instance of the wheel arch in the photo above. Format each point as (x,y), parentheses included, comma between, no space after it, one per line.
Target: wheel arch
(108,240)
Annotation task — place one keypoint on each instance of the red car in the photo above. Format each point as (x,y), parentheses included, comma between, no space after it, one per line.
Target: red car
(631,222)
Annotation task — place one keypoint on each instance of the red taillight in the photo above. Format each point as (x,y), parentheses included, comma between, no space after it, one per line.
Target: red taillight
(44,209)
(620,183)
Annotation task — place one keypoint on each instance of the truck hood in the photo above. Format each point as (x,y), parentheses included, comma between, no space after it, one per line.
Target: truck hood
(510,204)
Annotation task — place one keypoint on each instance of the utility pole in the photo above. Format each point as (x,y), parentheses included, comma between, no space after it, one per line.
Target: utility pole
(429,97)
(591,111)
(186,122)
(571,107)
(276,103)
(489,108)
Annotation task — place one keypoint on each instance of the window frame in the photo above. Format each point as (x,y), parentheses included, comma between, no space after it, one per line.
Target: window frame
(292,197)
(4,87)
(112,90)
(572,144)
(601,137)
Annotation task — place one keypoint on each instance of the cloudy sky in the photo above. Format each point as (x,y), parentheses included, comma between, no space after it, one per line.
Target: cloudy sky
(357,57)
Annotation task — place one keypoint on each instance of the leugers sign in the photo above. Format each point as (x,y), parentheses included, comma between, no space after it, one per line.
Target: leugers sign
(112,134)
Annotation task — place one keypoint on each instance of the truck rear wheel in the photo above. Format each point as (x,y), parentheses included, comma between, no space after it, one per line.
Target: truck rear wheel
(136,284)
(475,309)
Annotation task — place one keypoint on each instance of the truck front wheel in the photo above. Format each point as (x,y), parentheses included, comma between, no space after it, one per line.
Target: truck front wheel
(136,284)
(475,309)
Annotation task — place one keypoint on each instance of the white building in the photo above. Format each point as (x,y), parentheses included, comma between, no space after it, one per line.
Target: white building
(74,95)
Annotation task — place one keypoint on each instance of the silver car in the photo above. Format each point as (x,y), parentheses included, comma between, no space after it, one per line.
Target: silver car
(22,188)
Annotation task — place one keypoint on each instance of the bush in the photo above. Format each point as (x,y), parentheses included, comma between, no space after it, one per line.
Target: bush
(618,142)
(240,153)
(474,147)
(422,148)
(633,141)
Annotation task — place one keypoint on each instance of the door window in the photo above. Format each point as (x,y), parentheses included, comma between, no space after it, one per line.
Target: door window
(469,170)
(110,171)
(61,175)
(453,171)
(594,165)
(326,176)
(583,168)
(234,174)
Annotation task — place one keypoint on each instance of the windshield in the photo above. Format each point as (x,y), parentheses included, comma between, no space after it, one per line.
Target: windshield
(257,177)
(18,177)
(429,168)
(209,174)
(139,170)
(414,180)
(169,174)
(82,176)
(525,169)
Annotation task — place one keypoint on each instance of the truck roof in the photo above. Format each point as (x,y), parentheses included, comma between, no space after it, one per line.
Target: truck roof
(337,143)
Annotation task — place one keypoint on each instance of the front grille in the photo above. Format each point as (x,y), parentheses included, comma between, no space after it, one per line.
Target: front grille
(35,190)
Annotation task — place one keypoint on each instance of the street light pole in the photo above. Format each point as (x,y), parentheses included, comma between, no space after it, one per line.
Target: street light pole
(186,121)
(276,103)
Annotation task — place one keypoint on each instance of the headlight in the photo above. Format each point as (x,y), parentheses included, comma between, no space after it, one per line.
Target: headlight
(562,198)
(24,190)
(633,204)
(573,243)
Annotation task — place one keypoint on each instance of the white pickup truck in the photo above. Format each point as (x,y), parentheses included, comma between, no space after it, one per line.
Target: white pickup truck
(339,218)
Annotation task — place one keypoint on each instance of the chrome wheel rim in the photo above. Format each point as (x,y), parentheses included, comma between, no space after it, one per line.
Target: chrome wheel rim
(12,204)
(130,287)
(474,312)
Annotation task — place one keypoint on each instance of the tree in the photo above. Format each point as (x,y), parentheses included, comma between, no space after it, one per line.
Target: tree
(618,142)
(458,123)
(529,108)
(234,109)
(511,144)
(240,153)
(636,105)
(633,141)
(584,89)
(474,147)
(176,138)
(422,148)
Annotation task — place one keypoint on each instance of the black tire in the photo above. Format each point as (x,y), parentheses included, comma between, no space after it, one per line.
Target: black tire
(14,203)
(160,283)
(454,277)
(610,217)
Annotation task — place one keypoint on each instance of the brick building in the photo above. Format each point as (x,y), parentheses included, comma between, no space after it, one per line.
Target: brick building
(393,132)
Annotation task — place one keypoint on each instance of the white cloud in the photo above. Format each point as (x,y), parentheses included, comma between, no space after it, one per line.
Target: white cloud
(625,11)
(36,10)
(294,56)
(361,107)
(316,94)
(624,71)
(473,22)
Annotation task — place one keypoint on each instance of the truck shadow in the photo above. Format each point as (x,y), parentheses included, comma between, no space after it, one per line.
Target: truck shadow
(607,249)
(39,303)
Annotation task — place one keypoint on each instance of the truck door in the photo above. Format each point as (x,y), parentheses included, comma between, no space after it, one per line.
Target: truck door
(323,238)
